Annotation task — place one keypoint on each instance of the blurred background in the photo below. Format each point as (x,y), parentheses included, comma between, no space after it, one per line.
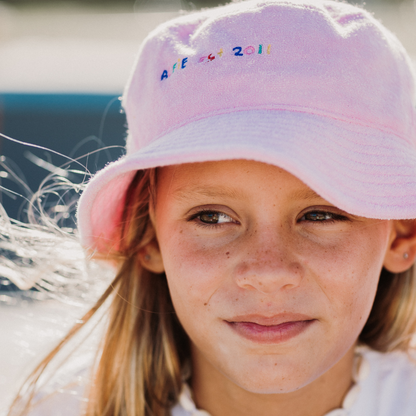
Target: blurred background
(63,66)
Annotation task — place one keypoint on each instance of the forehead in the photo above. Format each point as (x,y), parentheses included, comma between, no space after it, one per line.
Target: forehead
(229,178)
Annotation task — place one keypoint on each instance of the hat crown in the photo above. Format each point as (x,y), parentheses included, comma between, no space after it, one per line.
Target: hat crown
(320,57)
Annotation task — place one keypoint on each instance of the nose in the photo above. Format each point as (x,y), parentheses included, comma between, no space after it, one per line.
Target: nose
(268,265)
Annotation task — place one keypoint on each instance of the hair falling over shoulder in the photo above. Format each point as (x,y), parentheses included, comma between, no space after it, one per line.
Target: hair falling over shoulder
(139,367)
(140,364)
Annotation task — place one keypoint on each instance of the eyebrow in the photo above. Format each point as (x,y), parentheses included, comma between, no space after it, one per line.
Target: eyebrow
(224,191)
(305,194)
(207,192)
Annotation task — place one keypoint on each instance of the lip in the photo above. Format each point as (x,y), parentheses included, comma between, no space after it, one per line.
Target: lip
(270,330)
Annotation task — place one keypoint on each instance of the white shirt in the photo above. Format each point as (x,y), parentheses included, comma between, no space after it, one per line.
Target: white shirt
(387,387)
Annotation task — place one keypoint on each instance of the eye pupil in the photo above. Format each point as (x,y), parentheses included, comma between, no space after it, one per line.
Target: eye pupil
(210,217)
(319,216)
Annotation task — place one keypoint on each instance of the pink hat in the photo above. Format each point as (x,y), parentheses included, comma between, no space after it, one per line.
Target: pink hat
(319,88)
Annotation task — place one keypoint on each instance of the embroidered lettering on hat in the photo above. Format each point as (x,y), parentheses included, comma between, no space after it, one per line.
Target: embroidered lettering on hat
(236,51)
(176,65)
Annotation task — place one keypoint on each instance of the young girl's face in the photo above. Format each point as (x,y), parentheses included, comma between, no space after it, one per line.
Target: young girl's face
(272,283)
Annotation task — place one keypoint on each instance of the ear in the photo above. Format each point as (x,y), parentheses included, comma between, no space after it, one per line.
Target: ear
(401,253)
(151,258)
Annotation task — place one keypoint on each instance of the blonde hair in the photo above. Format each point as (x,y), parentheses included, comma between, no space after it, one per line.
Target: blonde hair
(145,349)
(392,321)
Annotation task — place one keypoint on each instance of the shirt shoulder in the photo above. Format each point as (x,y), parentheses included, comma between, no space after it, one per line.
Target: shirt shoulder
(390,388)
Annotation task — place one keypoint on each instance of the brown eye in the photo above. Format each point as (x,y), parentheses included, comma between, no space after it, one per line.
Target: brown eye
(318,216)
(323,216)
(213,217)
(210,217)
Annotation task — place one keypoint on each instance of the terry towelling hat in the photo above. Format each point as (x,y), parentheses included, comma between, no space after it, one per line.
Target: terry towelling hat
(319,88)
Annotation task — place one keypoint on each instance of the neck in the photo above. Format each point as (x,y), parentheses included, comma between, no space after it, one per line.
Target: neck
(219,396)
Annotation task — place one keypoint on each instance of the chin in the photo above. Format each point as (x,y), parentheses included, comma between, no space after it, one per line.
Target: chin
(271,380)
(266,386)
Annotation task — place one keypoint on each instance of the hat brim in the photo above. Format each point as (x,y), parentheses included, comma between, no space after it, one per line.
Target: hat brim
(360,169)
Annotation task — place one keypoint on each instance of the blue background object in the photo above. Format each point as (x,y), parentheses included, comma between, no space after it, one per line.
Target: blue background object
(71,124)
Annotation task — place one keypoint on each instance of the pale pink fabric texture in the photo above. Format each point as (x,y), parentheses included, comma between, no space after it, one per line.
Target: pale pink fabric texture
(319,88)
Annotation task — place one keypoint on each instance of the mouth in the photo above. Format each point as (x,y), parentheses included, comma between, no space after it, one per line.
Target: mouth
(271,330)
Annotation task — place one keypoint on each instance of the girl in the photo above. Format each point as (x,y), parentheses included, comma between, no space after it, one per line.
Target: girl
(261,222)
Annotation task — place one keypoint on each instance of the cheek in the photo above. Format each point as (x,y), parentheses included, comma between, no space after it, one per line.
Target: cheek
(194,270)
(347,274)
